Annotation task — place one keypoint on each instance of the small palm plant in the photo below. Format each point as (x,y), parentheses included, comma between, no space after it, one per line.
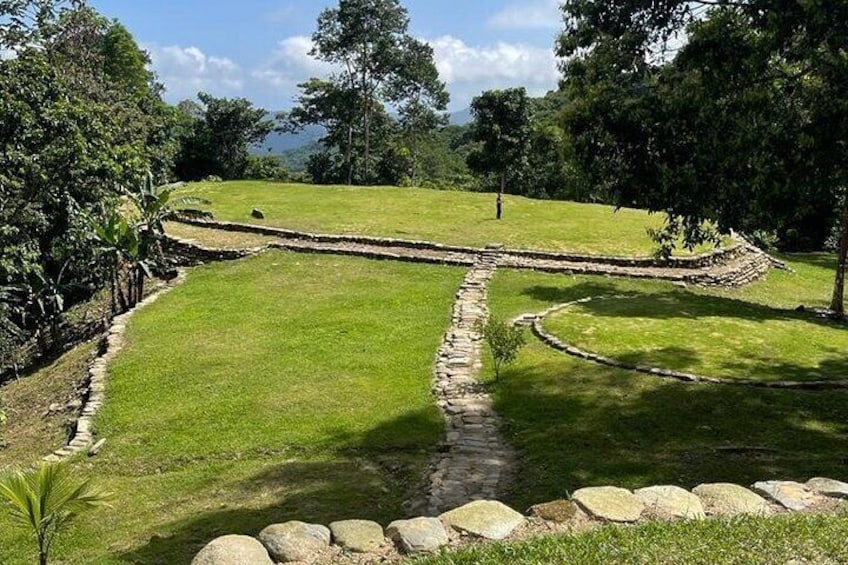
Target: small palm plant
(46,500)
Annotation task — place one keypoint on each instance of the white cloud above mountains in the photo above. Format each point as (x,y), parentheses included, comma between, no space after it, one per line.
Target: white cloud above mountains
(536,14)
(185,71)
(467,70)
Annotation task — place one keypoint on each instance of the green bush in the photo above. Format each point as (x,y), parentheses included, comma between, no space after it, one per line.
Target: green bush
(266,167)
(504,340)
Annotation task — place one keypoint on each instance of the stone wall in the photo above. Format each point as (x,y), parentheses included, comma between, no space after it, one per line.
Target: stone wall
(363,541)
(709,259)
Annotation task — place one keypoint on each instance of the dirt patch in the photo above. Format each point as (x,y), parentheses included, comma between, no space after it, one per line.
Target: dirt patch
(42,406)
(218,239)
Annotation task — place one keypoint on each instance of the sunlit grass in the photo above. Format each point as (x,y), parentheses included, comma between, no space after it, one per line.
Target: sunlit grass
(459,218)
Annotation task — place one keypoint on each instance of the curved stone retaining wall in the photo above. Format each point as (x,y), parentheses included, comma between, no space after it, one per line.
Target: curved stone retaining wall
(536,322)
(361,541)
(718,256)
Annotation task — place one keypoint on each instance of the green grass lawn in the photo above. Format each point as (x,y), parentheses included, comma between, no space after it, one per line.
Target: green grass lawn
(458,218)
(579,424)
(749,541)
(707,335)
(275,388)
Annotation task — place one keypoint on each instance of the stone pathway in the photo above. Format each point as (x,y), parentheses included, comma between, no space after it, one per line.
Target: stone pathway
(474,463)
(737,265)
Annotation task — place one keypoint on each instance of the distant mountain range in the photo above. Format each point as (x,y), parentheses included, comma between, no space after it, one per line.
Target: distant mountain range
(285,143)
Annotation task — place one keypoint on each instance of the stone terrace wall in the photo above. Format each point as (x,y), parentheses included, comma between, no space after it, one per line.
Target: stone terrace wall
(715,257)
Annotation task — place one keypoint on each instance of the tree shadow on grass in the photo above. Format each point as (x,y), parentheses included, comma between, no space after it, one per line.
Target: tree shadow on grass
(365,479)
(578,424)
(614,302)
(821,260)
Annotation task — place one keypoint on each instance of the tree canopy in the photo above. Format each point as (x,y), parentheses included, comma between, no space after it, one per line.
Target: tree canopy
(742,124)
(377,64)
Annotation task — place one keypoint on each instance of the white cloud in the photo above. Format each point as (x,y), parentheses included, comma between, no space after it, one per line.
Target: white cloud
(7,54)
(469,70)
(537,14)
(289,65)
(185,71)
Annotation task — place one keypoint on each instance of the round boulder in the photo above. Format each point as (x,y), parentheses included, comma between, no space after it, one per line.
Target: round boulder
(610,504)
(418,535)
(295,541)
(359,536)
(233,550)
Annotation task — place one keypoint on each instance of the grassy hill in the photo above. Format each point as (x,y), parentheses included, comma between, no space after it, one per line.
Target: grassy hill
(458,218)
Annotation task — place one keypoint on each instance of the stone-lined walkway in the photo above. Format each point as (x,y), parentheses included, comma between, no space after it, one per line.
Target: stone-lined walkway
(474,463)
(737,265)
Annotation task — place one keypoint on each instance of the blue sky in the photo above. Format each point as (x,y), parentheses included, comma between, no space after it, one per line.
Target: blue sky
(258,48)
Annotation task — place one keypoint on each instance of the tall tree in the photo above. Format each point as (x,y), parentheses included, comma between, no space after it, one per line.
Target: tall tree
(420,97)
(217,136)
(377,64)
(363,36)
(746,125)
(502,127)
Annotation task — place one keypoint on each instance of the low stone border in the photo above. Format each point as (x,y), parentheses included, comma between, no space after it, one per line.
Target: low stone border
(735,266)
(711,258)
(111,345)
(535,321)
(186,253)
(483,521)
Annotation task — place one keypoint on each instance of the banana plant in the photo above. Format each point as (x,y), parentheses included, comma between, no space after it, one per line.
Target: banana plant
(133,246)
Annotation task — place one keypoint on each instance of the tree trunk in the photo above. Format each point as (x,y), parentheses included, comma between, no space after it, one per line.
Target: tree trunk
(140,285)
(837,304)
(349,156)
(366,173)
(500,195)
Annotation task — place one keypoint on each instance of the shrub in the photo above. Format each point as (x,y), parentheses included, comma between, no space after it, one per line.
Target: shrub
(213,178)
(266,167)
(504,340)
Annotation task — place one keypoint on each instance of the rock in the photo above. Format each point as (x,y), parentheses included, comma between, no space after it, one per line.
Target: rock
(559,511)
(360,536)
(233,550)
(790,495)
(730,500)
(295,541)
(828,487)
(611,504)
(257,213)
(95,449)
(74,404)
(484,518)
(671,502)
(418,535)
